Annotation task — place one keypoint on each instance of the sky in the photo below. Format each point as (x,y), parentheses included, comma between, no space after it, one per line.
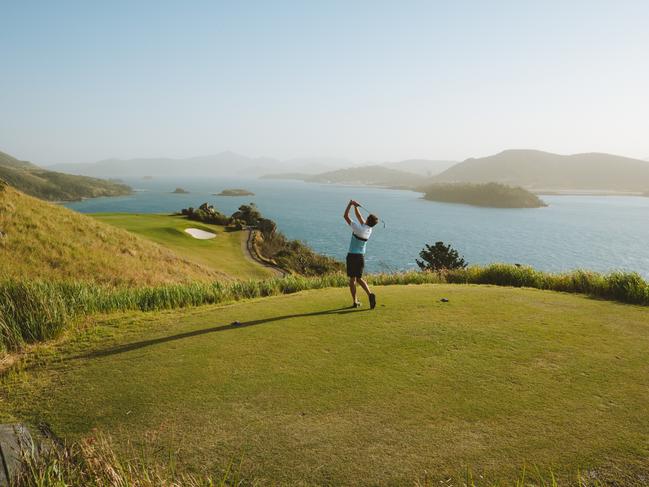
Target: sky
(363,80)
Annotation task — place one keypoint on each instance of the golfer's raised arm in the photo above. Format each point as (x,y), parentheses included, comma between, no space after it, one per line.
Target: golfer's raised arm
(346,214)
(359,217)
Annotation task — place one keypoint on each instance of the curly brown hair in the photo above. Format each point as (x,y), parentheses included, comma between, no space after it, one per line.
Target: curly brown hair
(372,220)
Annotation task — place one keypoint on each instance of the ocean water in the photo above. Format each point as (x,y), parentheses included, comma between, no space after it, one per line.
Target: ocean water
(602,233)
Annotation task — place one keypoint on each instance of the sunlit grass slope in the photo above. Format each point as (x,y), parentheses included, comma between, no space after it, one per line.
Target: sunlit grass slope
(307,393)
(43,240)
(223,253)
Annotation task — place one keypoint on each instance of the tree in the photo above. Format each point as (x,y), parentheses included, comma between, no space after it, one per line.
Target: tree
(440,257)
(266,227)
(248,213)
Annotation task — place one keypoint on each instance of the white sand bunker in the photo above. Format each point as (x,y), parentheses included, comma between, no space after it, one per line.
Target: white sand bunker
(200,234)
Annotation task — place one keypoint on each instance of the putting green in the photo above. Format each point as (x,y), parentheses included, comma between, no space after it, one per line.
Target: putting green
(307,393)
(225,252)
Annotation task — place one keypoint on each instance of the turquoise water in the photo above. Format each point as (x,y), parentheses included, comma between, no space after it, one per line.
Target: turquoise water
(592,232)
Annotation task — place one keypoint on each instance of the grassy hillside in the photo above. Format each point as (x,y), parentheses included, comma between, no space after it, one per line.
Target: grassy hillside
(54,186)
(545,171)
(8,161)
(225,253)
(43,240)
(492,195)
(304,392)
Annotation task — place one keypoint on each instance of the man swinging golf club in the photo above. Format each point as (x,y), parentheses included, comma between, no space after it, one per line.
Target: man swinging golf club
(361,232)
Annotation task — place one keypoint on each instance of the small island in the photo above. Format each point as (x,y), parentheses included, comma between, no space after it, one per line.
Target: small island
(492,195)
(180,191)
(235,192)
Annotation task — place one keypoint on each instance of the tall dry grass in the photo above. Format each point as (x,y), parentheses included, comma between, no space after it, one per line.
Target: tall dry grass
(94,462)
(34,311)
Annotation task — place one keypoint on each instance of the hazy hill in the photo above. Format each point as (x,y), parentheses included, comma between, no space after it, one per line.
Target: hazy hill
(298,176)
(314,165)
(56,186)
(8,161)
(537,170)
(43,240)
(370,175)
(423,167)
(218,165)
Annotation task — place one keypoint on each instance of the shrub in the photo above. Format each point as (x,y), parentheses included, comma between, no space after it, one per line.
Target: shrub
(266,227)
(295,256)
(628,287)
(248,213)
(508,275)
(205,213)
(440,257)
(235,225)
(30,312)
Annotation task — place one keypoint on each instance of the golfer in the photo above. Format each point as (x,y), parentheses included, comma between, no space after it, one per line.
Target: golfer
(361,232)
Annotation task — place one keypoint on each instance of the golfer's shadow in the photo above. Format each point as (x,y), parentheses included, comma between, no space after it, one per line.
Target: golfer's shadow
(233,326)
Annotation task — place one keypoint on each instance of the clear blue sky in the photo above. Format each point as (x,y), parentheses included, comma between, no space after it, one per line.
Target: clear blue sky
(82,81)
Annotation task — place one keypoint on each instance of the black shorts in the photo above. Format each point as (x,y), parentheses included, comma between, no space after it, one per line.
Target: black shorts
(355,265)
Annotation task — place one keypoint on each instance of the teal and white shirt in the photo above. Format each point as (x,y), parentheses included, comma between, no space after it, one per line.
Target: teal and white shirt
(357,245)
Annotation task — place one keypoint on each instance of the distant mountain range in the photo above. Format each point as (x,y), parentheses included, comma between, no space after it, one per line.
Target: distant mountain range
(218,165)
(54,186)
(232,164)
(531,169)
(534,170)
(401,174)
(364,175)
(540,171)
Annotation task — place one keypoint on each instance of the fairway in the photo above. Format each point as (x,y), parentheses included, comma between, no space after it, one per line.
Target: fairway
(225,253)
(304,392)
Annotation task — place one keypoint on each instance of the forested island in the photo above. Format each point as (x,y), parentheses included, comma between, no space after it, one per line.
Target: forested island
(235,192)
(180,191)
(493,195)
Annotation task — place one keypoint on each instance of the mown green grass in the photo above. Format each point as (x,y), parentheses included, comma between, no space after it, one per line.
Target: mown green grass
(223,253)
(308,393)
